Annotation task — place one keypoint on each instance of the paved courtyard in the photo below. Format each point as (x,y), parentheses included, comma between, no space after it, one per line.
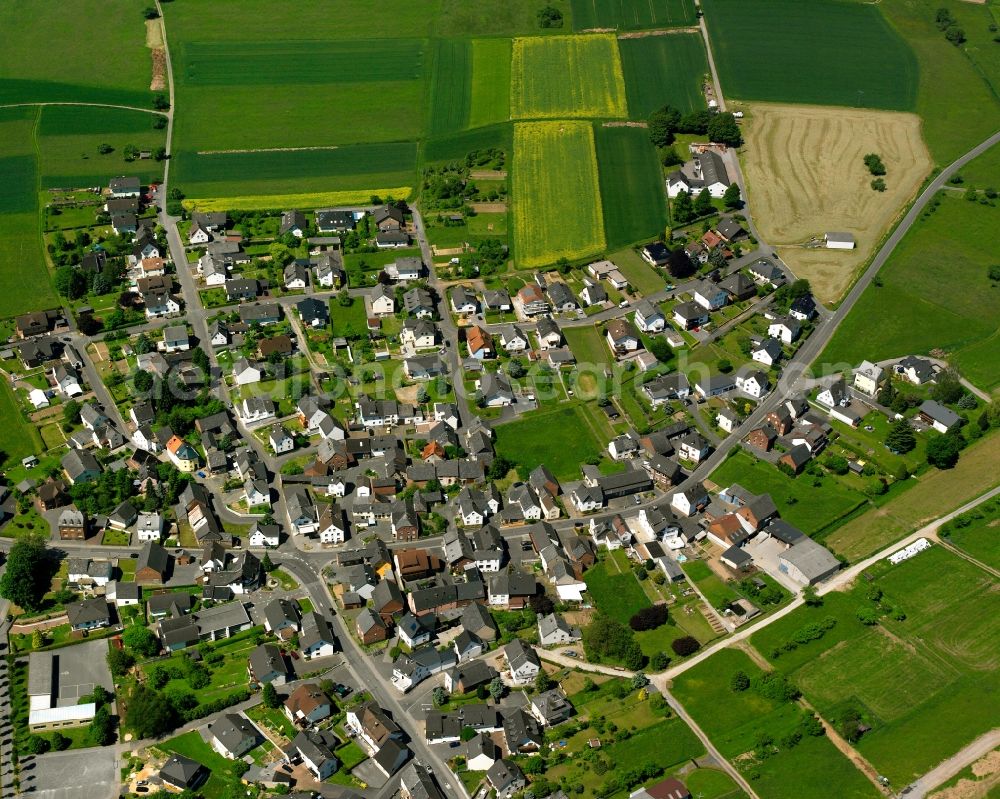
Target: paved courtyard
(79,774)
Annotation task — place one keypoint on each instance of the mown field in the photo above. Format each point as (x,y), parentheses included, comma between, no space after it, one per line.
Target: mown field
(736,721)
(541,438)
(827,53)
(68,138)
(567,77)
(556,193)
(950,84)
(663,70)
(632,194)
(632,14)
(917,681)
(86,51)
(977,533)
(915,310)
(24,280)
(363,167)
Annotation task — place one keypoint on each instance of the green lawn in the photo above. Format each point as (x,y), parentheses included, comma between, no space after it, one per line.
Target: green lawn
(802,67)
(191,745)
(632,193)
(946,644)
(663,70)
(540,437)
(977,533)
(614,589)
(809,508)
(588,345)
(715,591)
(21,438)
(350,320)
(914,311)
(641,276)
(734,721)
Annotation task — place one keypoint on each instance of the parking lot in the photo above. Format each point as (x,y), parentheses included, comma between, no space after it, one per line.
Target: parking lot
(79,774)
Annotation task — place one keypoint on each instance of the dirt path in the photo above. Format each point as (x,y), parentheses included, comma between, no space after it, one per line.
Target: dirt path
(269,150)
(488,174)
(489,208)
(154,41)
(91,105)
(661,32)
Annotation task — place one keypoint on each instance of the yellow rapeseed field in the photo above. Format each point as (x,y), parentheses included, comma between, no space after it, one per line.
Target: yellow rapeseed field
(556,194)
(567,76)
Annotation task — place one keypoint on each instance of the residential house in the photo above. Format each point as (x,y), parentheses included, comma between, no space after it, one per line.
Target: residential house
(622,336)
(317,638)
(531,300)
(867,378)
(232,735)
(767,352)
(523,664)
(710,296)
(266,664)
(649,318)
(690,315)
(89,614)
(939,417)
(314,749)
(706,170)
(554,630)
(786,329)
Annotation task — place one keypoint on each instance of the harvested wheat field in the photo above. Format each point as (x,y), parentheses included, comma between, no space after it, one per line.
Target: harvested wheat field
(806,176)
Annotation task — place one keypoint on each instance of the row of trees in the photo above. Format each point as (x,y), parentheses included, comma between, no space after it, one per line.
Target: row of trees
(667,122)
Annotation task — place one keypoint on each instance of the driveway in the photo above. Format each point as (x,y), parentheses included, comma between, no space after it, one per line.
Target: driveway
(76,774)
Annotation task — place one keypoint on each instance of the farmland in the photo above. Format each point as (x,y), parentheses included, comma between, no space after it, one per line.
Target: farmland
(102,56)
(451,90)
(736,723)
(914,311)
(938,492)
(805,175)
(945,643)
(802,67)
(567,76)
(802,504)
(540,438)
(977,533)
(949,84)
(495,17)
(631,14)
(663,70)
(24,281)
(490,101)
(365,169)
(68,138)
(631,192)
(557,202)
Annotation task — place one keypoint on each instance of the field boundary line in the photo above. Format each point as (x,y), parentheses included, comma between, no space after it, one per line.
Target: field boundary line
(656,32)
(269,150)
(966,556)
(91,105)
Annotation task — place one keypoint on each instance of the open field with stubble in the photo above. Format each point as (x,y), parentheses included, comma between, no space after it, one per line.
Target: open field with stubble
(806,176)
(556,193)
(567,77)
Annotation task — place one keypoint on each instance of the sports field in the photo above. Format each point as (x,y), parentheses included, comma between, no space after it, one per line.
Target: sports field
(567,77)
(823,52)
(735,723)
(24,281)
(632,193)
(68,138)
(663,70)
(556,194)
(915,311)
(805,176)
(490,94)
(541,438)
(946,646)
(632,14)
(85,51)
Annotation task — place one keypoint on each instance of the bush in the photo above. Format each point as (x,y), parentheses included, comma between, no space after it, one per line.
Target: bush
(739,682)
(685,645)
(659,661)
(649,618)
(775,686)
(550,17)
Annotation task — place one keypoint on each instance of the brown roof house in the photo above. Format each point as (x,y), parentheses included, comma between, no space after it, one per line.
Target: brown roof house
(153,565)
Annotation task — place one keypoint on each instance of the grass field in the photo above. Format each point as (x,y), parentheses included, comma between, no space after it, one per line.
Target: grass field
(977,533)
(190,744)
(24,281)
(810,509)
(495,18)
(451,86)
(938,493)
(641,276)
(363,169)
(567,77)
(663,70)
(540,438)
(735,720)
(946,644)
(632,14)
(557,202)
(490,94)
(984,171)
(949,85)
(20,438)
(588,345)
(805,175)
(86,51)
(455,146)
(632,194)
(803,67)
(68,138)
(614,589)
(914,311)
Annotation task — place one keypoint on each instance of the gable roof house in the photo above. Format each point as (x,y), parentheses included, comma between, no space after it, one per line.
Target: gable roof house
(689,315)
(307,705)
(233,735)
(622,336)
(522,661)
(266,664)
(313,312)
(706,170)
